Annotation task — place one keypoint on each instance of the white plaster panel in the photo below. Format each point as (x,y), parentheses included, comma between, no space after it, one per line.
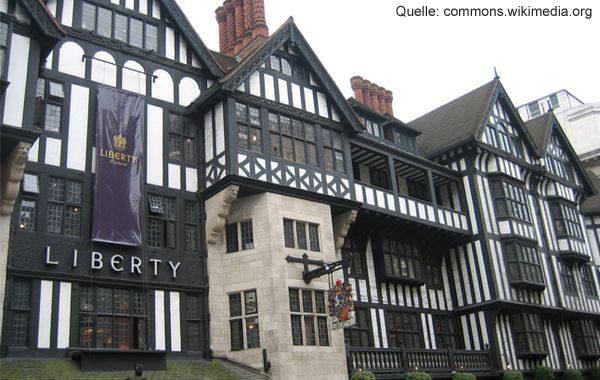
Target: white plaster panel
(309,99)
(45,314)
(269,87)
(154,157)
(283,91)
(69,59)
(162,87)
(170,43)
(174,176)
(296,96)
(17,76)
(220,128)
(78,127)
(188,91)
(34,151)
(191,180)
(175,322)
(67,13)
(103,72)
(182,50)
(64,315)
(255,83)
(208,136)
(155,9)
(134,81)
(159,320)
(53,152)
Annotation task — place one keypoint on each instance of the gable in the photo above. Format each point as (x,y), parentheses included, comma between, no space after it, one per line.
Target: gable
(558,159)
(285,77)
(163,20)
(305,84)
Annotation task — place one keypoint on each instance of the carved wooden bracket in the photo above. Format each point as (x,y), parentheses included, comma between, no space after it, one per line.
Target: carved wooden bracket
(12,173)
(215,218)
(341,225)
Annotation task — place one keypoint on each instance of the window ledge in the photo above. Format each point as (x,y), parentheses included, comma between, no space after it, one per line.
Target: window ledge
(403,280)
(574,256)
(524,284)
(532,355)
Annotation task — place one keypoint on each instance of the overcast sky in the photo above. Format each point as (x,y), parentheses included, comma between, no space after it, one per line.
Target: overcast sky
(428,61)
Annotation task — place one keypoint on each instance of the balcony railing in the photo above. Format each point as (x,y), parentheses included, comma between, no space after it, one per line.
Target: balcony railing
(410,207)
(399,360)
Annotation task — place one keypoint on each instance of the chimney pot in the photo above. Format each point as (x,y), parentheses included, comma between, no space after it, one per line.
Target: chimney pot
(357,86)
(381,99)
(374,100)
(240,23)
(389,98)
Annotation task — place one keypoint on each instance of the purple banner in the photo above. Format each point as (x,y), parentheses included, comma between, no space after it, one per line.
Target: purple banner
(119,150)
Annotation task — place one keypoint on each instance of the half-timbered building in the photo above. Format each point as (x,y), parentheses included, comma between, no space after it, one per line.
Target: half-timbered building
(461,232)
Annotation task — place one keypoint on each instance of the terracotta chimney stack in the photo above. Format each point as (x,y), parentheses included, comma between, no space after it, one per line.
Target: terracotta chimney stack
(389,98)
(371,95)
(242,26)
(357,86)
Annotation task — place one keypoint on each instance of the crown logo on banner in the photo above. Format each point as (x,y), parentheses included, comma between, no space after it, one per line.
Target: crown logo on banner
(119,142)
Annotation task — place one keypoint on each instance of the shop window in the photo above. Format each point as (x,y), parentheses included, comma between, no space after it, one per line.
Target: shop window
(243,320)
(530,339)
(404,330)
(248,124)
(239,235)
(308,317)
(162,222)
(182,138)
(359,335)
(64,207)
(301,235)
(112,318)
(20,310)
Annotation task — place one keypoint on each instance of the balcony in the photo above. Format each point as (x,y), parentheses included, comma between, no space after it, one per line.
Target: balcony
(390,363)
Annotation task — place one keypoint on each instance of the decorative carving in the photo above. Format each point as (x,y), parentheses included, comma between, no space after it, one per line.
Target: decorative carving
(341,225)
(215,224)
(12,173)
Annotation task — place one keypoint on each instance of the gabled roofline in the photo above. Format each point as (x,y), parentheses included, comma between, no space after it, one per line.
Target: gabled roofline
(44,19)
(190,33)
(384,118)
(290,32)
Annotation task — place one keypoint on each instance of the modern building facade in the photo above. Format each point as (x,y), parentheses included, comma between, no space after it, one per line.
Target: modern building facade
(580,121)
(461,232)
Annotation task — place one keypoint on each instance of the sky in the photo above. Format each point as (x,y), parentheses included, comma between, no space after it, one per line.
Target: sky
(427,61)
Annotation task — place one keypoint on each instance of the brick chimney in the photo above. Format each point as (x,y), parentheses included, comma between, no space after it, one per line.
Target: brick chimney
(242,26)
(371,95)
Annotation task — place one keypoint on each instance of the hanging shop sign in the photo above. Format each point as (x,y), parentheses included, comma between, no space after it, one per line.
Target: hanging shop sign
(341,305)
(119,145)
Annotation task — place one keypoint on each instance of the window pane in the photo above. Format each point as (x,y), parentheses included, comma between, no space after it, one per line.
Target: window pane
(287,148)
(275,145)
(73,192)
(88,17)
(104,22)
(104,332)
(190,212)
(72,221)
(191,237)
(52,118)
(299,150)
(320,302)
(250,302)
(86,331)
(121,298)
(297,330)
(104,300)
(286,68)
(19,329)
(170,211)
(323,334)
(288,233)
(151,37)
(170,234)
(275,63)
(247,235)
(193,336)
(237,335)
(254,116)
(122,333)
(309,325)
(252,332)
(189,151)
(27,215)
(231,237)
(255,139)
(313,230)
(21,295)
(243,136)
(193,307)
(311,154)
(294,300)
(286,125)
(307,304)
(273,122)
(154,232)
(55,216)
(136,29)
(301,234)
(241,112)
(139,304)
(56,89)
(235,305)
(121,27)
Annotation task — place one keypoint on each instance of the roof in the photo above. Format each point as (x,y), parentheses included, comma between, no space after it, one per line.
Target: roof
(189,32)
(591,205)
(540,128)
(227,63)
(385,118)
(44,19)
(455,122)
(290,32)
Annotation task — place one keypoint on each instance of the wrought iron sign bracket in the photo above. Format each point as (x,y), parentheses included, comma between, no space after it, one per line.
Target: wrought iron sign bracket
(324,268)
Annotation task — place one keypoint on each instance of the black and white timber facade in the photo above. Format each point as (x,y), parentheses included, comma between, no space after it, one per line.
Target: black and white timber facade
(465,233)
